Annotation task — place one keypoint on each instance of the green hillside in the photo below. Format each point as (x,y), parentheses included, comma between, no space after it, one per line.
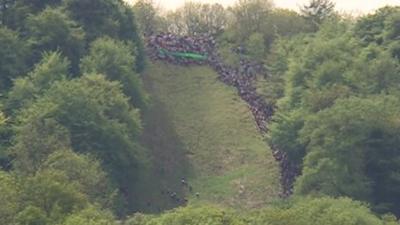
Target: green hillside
(200,129)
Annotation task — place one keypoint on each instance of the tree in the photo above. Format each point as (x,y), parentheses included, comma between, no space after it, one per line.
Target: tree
(52,68)
(190,216)
(35,141)
(9,197)
(392,26)
(255,46)
(90,216)
(351,147)
(196,18)
(49,196)
(147,16)
(309,211)
(249,16)
(53,30)
(317,11)
(98,17)
(13,53)
(371,28)
(287,22)
(108,18)
(32,215)
(116,61)
(86,172)
(95,116)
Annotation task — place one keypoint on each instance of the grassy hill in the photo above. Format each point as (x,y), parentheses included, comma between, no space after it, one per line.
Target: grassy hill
(198,128)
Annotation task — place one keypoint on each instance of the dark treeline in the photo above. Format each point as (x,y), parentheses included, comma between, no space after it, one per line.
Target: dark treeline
(72,99)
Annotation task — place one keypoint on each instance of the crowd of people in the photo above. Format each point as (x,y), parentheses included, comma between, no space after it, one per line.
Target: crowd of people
(160,45)
(242,77)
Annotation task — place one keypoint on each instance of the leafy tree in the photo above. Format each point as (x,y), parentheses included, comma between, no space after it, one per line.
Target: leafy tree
(255,46)
(35,141)
(287,22)
(3,119)
(285,134)
(317,11)
(108,18)
(308,211)
(249,16)
(147,16)
(350,148)
(9,197)
(374,71)
(90,216)
(86,172)
(130,33)
(116,60)
(97,117)
(49,195)
(196,18)
(376,27)
(39,5)
(52,30)
(32,215)
(13,52)
(52,68)
(98,17)
(209,215)
(392,25)
(315,77)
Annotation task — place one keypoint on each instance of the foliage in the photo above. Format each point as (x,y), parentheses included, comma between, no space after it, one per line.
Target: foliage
(51,194)
(249,16)
(317,211)
(208,215)
(35,141)
(108,18)
(337,115)
(317,11)
(350,146)
(52,68)
(90,216)
(84,170)
(147,16)
(95,114)
(71,93)
(196,18)
(13,52)
(9,197)
(116,61)
(52,30)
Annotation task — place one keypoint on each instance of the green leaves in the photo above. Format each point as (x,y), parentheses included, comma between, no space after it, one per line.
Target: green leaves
(13,55)
(53,30)
(309,211)
(96,116)
(116,61)
(52,68)
(337,116)
(207,215)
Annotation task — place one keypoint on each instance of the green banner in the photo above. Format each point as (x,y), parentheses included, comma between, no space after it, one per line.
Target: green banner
(190,55)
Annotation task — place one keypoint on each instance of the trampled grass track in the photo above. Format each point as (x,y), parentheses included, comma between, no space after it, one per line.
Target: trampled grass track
(200,129)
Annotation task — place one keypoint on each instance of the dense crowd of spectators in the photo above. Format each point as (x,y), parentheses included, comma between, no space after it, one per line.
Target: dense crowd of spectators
(242,77)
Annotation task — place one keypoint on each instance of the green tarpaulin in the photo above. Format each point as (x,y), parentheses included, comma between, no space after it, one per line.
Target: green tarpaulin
(190,55)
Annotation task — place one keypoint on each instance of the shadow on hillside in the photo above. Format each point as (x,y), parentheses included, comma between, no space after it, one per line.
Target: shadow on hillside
(167,164)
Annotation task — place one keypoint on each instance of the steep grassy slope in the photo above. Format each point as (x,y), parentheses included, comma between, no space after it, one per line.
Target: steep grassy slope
(199,128)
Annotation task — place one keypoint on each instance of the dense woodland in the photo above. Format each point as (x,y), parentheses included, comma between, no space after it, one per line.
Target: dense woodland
(72,101)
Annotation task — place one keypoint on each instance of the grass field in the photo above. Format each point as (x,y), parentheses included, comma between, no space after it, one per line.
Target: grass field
(198,128)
